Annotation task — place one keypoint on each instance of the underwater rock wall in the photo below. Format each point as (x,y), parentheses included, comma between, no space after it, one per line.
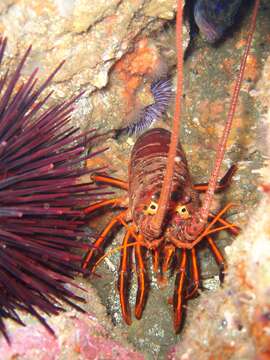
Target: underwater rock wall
(92,37)
(78,335)
(234,322)
(110,52)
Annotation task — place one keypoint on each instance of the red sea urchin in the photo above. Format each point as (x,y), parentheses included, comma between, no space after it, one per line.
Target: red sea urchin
(40,198)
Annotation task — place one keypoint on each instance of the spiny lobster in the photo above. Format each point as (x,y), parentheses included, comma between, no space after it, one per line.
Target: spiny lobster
(162,211)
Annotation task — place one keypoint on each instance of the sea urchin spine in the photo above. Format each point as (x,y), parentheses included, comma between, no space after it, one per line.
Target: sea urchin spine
(40,198)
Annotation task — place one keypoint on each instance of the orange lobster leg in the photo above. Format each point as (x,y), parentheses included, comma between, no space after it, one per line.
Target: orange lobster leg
(178,292)
(124,278)
(195,275)
(155,260)
(219,258)
(222,184)
(111,181)
(235,230)
(97,247)
(103,203)
(143,281)
(169,251)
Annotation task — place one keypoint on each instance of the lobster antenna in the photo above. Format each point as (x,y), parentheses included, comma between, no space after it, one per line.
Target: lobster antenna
(167,183)
(223,142)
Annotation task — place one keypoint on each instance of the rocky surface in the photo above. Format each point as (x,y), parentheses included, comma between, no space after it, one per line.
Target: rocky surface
(91,38)
(234,322)
(113,51)
(210,73)
(78,335)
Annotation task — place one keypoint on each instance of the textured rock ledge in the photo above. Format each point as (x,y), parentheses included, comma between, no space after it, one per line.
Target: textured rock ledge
(234,322)
(78,335)
(110,53)
(92,38)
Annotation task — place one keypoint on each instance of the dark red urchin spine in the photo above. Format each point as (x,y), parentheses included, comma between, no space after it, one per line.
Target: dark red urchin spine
(40,198)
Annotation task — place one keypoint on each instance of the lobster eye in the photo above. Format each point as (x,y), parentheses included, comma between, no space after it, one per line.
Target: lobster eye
(151,209)
(182,211)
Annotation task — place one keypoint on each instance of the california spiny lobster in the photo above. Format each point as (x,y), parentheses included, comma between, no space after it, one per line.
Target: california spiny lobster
(162,211)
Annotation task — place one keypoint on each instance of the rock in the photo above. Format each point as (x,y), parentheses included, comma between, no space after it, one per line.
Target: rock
(78,336)
(233,323)
(113,52)
(162,9)
(91,39)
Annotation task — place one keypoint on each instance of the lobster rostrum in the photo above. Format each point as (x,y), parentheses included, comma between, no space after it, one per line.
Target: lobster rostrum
(162,213)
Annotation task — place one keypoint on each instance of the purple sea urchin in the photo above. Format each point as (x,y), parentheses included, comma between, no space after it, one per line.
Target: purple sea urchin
(40,198)
(162,93)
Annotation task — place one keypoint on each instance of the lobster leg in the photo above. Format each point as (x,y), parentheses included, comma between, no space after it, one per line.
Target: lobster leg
(178,292)
(222,184)
(162,257)
(143,281)
(124,278)
(167,253)
(97,247)
(195,275)
(155,259)
(235,230)
(111,181)
(103,203)
(218,256)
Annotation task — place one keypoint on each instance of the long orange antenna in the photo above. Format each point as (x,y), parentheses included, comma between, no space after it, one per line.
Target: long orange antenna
(166,187)
(223,142)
